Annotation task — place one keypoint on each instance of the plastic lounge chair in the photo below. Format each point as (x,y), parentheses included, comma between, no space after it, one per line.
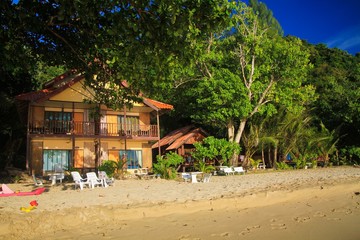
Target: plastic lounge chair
(106,180)
(59,173)
(239,170)
(228,171)
(37,181)
(186,177)
(261,166)
(7,192)
(207,177)
(79,181)
(93,179)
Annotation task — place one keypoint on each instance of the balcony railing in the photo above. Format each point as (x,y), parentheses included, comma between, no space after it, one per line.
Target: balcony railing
(92,128)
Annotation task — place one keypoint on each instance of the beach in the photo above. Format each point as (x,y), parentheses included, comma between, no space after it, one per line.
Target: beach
(322,203)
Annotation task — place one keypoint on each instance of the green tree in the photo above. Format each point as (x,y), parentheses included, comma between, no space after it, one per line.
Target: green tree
(145,42)
(266,17)
(249,72)
(212,148)
(336,76)
(166,165)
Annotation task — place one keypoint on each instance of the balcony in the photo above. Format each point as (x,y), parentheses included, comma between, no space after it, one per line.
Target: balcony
(92,129)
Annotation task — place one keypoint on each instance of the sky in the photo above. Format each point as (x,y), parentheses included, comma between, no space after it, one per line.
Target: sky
(335,23)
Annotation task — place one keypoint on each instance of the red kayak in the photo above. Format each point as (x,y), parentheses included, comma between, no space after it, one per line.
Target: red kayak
(34,192)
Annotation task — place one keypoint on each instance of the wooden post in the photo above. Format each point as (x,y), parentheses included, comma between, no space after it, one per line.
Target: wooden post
(158,127)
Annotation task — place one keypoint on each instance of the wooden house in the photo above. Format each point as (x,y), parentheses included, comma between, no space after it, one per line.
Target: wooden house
(180,140)
(61,130)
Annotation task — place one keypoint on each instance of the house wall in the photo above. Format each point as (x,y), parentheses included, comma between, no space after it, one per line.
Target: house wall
(84,151)
(76,93)
(81,146)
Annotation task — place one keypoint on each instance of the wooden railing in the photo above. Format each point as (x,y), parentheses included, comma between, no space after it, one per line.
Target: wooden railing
(92,128)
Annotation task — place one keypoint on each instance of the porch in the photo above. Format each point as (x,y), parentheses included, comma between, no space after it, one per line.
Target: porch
(82,128)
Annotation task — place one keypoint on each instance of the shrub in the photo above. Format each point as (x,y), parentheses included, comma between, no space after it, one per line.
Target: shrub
(255,163)
(109,166)
(282,166)
(166,165)
(201,166)
(300,163)
(212,148)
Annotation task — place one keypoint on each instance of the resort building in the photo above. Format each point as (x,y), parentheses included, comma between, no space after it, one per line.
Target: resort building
(62,128)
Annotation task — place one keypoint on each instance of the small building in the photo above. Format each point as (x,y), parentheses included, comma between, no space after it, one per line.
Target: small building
(63,131)
(180,140)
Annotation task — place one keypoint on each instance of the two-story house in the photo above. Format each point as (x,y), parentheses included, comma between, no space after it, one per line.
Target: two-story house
(62,129)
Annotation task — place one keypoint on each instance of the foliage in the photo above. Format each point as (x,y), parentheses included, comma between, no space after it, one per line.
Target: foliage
(265,16)
(212,148)
(203,167)
(282,166)
(249,71)
(313,163)
(336,76)
(166,165)
(113,168)
(349,155)
(255,163)
(326,143)
(109,166)
(300,162)
(152,42)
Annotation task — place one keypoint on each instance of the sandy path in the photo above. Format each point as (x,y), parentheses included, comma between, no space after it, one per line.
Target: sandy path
(304,204)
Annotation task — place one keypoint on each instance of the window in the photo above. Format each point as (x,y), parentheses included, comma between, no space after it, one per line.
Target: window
(134,158)
(130,123)
(56,158)
(58,116)
(58,122)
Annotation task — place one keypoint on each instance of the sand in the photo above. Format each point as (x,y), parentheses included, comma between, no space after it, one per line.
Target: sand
(314,204)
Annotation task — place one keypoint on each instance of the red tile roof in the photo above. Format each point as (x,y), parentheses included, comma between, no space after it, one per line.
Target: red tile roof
(157,104)
(52,87)
(181,136)
(66,80)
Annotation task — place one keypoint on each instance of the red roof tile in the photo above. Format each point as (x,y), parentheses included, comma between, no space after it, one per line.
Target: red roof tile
(60,83)
(178,137)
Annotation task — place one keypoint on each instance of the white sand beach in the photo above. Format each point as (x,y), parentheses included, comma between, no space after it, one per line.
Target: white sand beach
(314,204)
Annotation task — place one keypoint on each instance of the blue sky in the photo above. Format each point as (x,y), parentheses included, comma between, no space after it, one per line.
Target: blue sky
(335,23)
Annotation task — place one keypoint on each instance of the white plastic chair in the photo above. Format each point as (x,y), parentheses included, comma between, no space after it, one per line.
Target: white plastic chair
(186,176)
(106,180)
(93,179)
(239,170)
(79,181)
(207,177)
(228,171)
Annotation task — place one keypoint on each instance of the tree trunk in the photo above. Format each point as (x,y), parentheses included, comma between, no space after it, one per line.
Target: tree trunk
(262,154)
(240,130)
(275,157)
(231,131)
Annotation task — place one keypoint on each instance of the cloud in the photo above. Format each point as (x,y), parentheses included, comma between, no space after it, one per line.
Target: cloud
(348,40)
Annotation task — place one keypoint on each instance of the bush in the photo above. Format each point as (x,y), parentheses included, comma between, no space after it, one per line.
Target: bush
(166,165)
(109,166)
(348,156)
(300,163)
(255,163)
(212,148)
(282,166)
(201,166)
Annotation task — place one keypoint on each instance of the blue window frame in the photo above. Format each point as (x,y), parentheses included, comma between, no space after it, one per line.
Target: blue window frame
(134,158)
(56,158)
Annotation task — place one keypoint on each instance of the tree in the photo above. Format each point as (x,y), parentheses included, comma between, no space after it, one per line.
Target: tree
(140,41)
(212,148)
(249,72)
(265,16)
(336,76)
